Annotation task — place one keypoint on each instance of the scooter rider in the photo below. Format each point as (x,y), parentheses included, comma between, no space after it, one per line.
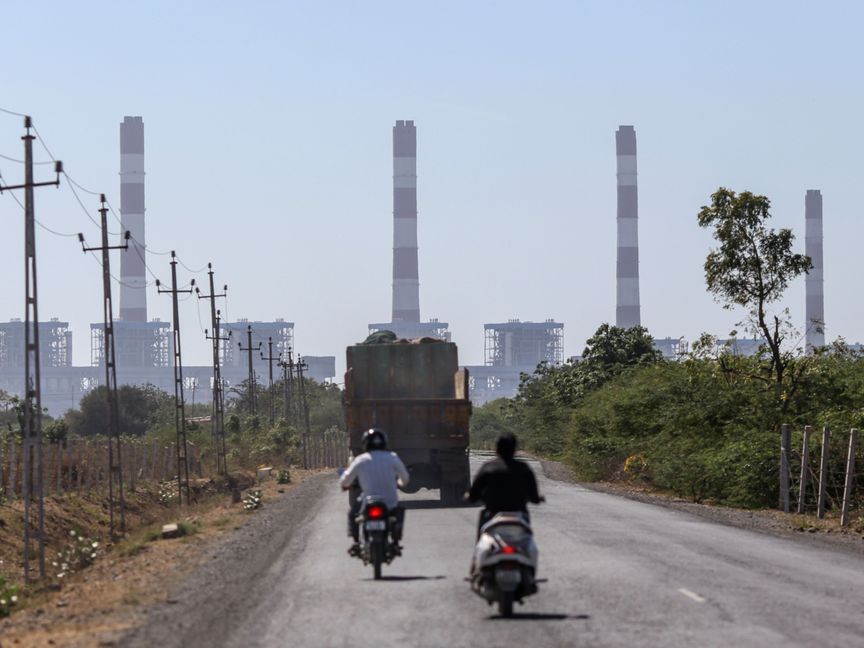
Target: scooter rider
(504,483)
(378,471)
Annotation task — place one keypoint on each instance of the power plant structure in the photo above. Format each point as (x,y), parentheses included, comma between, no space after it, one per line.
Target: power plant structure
(627,312)
(143,348)
(405,321)
(512,348)
(814,330)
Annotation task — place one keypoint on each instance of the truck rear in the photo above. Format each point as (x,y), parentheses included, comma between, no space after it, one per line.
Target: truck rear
(417,394)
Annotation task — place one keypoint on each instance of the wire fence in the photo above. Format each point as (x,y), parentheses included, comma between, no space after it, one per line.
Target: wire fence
(818,470)
(81,465)
(328,449)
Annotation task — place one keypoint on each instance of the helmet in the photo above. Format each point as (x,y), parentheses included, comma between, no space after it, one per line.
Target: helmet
(374,439)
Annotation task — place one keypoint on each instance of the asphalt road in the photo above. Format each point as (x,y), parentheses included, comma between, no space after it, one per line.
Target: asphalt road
(621,573)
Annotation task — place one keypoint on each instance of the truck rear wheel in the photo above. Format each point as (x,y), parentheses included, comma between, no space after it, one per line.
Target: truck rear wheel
(451,494)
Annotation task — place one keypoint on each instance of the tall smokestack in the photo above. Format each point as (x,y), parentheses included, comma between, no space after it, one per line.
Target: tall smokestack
(815,308)
(133,289)
(627,274)
(406,282)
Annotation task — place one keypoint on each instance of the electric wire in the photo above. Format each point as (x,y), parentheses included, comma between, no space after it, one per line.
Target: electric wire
(12,112)
(13,159)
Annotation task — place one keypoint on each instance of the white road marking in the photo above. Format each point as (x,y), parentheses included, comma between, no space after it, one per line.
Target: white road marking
(691,595)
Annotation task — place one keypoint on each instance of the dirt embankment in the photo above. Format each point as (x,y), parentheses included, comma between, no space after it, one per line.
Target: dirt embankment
(806,528)
(99,604)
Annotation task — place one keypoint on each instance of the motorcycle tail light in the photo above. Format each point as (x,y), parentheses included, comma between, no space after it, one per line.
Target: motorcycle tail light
(375,512)
(507,549)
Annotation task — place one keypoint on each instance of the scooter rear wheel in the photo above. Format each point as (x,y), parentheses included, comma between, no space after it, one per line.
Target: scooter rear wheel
(505,604)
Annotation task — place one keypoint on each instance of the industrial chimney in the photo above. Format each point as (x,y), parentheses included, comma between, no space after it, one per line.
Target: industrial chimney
(133,289)
(627,273)
(406,283)
(815,308)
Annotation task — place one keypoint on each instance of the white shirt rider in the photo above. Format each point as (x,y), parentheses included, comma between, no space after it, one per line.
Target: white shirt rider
(378,472)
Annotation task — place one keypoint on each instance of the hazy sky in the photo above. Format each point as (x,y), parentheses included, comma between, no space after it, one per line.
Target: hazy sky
(268,144)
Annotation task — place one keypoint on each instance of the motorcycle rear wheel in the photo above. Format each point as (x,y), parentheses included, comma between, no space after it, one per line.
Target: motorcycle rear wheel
(377,551)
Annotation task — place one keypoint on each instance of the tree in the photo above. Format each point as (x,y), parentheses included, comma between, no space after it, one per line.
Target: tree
(752,266)
(141,408)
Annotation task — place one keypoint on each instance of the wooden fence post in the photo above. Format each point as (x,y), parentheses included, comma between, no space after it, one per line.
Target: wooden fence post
(823,473)
(850,476)
(785,442)
(805,464)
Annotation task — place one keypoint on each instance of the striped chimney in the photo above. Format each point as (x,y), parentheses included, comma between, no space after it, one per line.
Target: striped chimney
(133,289)
(406,282)
(627,274)
(815,308)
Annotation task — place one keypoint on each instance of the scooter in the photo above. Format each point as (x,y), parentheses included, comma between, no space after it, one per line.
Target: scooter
(377,523)
(505,562)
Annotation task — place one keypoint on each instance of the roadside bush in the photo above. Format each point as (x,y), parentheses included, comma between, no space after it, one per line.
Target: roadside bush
(8,596)
(80,552)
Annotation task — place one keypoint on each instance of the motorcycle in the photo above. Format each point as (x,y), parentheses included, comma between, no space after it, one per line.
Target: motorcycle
(377,522)
(505,562)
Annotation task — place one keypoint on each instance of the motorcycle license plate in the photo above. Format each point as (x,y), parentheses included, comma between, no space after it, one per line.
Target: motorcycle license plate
(508,575)
(376,525)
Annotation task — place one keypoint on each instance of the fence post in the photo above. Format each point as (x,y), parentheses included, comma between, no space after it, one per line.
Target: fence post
(13,467)
(785,442)
(805,464)
(823,473)
(850,475)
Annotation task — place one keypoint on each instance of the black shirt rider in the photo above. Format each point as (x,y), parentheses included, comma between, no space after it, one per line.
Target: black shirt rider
(505,483)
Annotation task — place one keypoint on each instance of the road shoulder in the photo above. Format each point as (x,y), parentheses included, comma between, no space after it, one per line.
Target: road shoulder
(805,529)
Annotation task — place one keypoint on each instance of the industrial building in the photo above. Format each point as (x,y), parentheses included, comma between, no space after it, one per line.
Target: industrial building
(510,349)
(143,349)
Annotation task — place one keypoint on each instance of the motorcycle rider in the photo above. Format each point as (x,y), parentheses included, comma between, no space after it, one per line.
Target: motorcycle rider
(378,471)
(504,483)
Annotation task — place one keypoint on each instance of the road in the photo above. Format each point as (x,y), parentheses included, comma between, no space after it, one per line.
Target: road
(621,573)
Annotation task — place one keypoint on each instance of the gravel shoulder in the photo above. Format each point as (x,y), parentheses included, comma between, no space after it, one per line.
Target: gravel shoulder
(209,601)
(803,528)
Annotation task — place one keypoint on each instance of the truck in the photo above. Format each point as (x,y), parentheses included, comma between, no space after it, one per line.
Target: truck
(415,392)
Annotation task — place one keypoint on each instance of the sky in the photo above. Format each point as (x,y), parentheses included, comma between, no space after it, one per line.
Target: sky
(268,153)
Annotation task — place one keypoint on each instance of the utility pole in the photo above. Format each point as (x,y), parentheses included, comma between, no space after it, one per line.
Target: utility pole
(115,468)
(287,379)
(179,398)
(253,403)
(301,365)
(218,416)
(32,415)
(269,358)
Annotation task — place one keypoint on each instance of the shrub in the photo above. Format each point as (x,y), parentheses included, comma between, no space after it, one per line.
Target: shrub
(80,552)
(252,500)
(8,596)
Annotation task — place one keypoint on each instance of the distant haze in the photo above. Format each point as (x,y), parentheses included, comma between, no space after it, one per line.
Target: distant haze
(268,152)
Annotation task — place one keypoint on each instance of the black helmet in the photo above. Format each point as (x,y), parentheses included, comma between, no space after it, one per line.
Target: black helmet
(374,439)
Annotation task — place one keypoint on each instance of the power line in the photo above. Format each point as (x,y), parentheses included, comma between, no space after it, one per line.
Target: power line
(12,112)
(12,159)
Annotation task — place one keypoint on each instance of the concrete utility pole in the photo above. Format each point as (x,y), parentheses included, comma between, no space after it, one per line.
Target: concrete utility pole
(269,358)
(305,405)
(179,398)
(253,402)
(115,468)
(218,415)
(287,380)
(32,415)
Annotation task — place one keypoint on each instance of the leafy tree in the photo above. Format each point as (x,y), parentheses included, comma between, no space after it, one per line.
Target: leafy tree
(752,266)
(142,408)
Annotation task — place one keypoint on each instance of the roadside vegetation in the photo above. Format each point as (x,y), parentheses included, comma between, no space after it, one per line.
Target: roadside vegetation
(706,425)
